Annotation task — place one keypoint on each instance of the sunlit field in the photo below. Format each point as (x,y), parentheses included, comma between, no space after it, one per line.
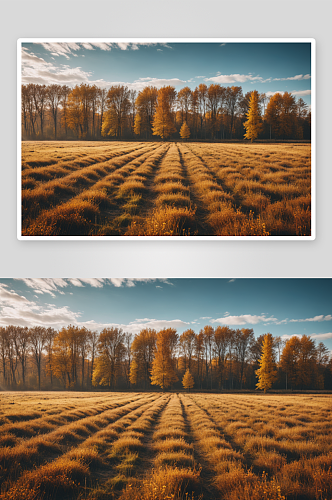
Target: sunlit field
(159,446)
(165,189)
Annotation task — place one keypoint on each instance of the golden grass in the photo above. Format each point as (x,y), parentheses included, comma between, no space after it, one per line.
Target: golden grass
(83,188)
(155,446)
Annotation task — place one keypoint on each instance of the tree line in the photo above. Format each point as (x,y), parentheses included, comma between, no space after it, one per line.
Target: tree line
(209,112)
(218,358)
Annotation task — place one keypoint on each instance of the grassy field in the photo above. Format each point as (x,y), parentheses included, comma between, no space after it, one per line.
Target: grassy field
(153,446)
(165,189)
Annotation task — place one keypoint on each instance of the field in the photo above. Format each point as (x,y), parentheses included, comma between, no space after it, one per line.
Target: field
(165,189)
(155,446)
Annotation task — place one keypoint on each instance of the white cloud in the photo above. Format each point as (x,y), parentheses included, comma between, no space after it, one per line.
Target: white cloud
(321,317)
(243,319)
(10,297)
(314,336)
(37,70)
(294,92)
(52,286)
(296,77)
(234,78)
(44,285)
(205,317)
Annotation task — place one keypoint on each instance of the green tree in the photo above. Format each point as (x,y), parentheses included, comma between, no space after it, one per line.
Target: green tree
(266,372)
(253,124)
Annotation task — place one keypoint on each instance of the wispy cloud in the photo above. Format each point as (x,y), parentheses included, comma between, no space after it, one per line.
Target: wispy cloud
(294,92)
(244,319)
(320,317)
(68,49)
(52,286)
(233,78)
(314,336)
(232,280)
(296,77)
(36,70)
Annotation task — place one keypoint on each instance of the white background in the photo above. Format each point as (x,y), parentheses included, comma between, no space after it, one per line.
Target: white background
(160,18)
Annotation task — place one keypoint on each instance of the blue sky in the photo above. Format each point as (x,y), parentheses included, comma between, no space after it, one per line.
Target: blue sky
(283,307)
(266,67)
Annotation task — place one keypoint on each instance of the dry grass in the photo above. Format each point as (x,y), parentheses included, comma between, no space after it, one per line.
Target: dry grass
(160,446)
(154,189)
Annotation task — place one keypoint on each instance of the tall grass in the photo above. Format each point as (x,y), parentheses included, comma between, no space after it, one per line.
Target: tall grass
(153,189)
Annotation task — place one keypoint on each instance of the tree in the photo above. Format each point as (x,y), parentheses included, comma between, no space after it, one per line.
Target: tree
(184,100)
(188,380)
(142,349)
(185,131)
(54,96)
(289,359)
(163,124)
(38,340)
(253,125)
(244,339)
(22,347)
(232,98)
(49,341)
(267,373)
(208,336)
(187,346)
(111,351)
(145,103)
(202,97)
(118,102)
(221,341)
(163,369)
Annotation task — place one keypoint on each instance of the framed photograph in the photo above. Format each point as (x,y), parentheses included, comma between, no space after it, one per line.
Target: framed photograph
(166,139)
(165,389)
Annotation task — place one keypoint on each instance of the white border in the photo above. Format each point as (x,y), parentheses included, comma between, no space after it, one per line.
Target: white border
(312,41)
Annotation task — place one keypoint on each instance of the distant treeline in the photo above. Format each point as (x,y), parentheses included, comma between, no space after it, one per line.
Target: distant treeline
(217,358)
(207,113)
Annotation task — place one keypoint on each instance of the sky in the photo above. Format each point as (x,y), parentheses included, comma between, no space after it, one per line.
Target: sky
(283,307)
(266,67)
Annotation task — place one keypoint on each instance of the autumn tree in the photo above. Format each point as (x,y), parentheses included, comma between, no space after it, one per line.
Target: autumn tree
(184,100)
(185,131)
(110,354)
(244,339)
(221,341)
(163,366)
(187,347)
(49,341)
(142,349)
(289,360)
(73,112)
(232,98)
(188,380)
(54,96)
(267,373)
(22,347)
(163,123)
(38,340)
(146,103)
(202,98)
(216,96)
(118,104)
(253,124)
(199,352)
